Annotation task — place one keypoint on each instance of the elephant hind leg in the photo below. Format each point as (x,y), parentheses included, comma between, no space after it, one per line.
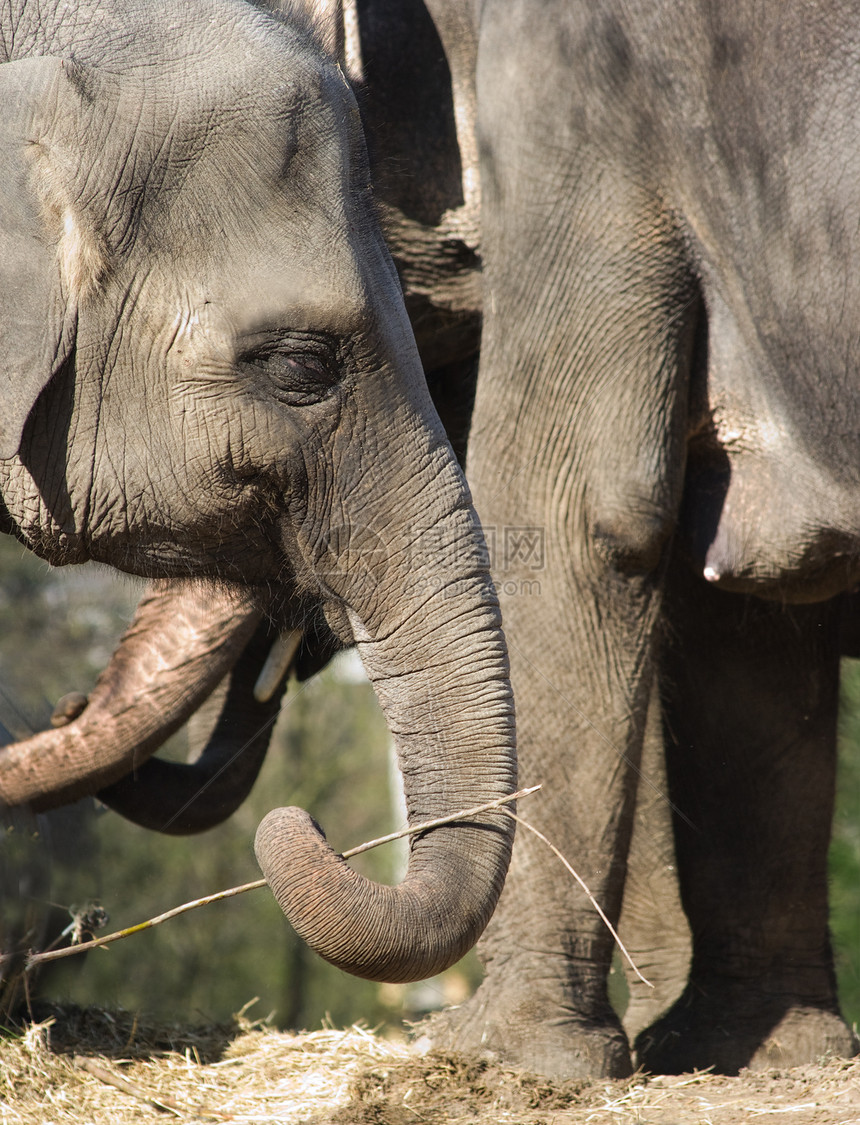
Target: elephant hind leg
(749,700)
(653,926)
(735,1030)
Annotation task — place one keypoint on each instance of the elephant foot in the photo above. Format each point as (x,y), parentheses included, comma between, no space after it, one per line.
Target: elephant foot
(521,1031)
(760,1032)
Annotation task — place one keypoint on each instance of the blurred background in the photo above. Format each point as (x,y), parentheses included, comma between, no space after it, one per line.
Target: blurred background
(329,754)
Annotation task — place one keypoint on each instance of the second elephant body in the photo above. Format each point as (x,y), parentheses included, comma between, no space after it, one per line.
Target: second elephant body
(667,402)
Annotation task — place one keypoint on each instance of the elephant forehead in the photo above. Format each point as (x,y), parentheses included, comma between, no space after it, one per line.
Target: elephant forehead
(301,299)
(296,247)
(213,142)
(274,160)
(299,204)
(296,119)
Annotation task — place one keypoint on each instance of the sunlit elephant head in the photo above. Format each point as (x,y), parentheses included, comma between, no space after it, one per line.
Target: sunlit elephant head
(208,373)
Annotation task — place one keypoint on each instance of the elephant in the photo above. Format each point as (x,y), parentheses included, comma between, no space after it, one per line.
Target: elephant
(210,380)
(430,210)
(661,447)
(603,562)
(665,395)
(430,221)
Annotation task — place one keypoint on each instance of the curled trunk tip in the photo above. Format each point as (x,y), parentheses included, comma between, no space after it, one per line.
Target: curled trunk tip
(396,934)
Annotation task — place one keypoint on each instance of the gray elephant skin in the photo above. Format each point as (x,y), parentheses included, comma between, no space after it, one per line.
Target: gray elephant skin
(668,389)
(209,378)
(665,405)
(668,220)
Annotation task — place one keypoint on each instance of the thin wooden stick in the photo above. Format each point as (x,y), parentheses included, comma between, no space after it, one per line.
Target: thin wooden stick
(56,954)
(135,1091)
(582,884)
(82,947)
(130,1088)
(442,820)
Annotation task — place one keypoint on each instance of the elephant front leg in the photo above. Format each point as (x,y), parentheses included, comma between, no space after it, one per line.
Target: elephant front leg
(543,1004)
(575,458)
(750,700)
(575,471)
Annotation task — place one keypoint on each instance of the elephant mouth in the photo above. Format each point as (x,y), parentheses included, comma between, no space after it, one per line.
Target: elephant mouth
(164,557)
(238,542)
(289,607)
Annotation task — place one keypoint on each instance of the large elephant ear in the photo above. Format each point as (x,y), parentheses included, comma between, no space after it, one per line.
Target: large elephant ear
(35,325)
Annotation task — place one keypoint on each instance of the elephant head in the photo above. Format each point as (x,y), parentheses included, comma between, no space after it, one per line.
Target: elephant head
(208,374)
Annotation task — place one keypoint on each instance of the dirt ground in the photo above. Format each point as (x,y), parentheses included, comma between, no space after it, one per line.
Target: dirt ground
(112,1068)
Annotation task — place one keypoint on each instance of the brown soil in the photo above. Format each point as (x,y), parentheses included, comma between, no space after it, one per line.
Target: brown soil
(113,1068)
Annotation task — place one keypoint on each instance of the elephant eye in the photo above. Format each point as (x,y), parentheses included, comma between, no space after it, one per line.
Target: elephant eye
(299,379)
(297,376)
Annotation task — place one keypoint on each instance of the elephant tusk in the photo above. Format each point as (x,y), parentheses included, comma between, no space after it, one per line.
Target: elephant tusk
(69,708)
(277,665)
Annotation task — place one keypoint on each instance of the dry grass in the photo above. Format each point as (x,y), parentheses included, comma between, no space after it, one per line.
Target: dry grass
(70,1067)
(111,1068)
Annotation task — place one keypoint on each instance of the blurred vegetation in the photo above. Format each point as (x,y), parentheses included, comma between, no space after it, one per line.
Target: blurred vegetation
(330,755)
(845,847)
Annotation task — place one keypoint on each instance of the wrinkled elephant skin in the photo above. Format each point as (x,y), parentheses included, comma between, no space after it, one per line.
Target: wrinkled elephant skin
(207,373)
(665,405)
(667,402)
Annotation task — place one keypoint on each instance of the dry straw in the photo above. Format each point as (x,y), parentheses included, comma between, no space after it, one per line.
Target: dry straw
(115,1069)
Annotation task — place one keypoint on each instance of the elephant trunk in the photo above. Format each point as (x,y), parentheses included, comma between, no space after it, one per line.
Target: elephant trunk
(427,628)
(184,638)
(180,798)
